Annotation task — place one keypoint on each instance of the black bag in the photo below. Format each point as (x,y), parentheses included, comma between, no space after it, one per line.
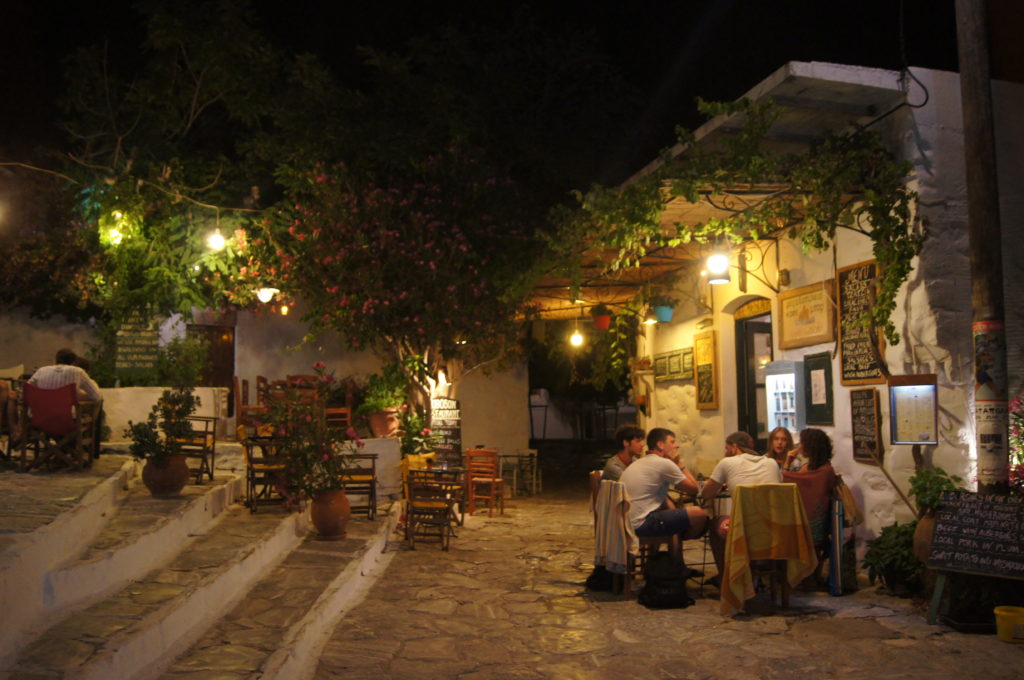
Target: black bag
(600,579)
(664,583)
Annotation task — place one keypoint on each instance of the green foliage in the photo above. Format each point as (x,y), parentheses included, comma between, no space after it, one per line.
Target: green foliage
(414,435)
(161,435)
(612,350)
(890,557)
(600,309)
(926,486)
(848,180)
(384,390)
(180,363)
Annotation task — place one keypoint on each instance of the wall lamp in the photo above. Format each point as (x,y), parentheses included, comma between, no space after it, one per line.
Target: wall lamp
(717,266)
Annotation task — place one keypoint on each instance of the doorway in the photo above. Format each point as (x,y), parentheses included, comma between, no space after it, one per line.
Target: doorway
(753,354)
(220,350)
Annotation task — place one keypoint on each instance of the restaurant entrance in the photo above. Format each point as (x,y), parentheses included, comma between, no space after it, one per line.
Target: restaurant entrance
(753,353)
(220,351)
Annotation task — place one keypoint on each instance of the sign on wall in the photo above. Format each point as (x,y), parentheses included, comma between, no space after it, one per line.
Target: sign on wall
(806,315)
(138,343)
(866,430)
(674,365)
(705,370)
(860,342)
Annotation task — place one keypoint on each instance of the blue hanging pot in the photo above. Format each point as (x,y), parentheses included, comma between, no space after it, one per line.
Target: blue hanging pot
(664,313)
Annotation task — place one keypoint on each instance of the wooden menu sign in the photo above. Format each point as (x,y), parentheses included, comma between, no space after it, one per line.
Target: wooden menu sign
(137,345)
(979,534)
(866,429)
(859,362)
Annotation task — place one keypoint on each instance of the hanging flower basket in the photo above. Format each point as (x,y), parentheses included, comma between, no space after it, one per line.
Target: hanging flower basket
(602,316)
(664,313)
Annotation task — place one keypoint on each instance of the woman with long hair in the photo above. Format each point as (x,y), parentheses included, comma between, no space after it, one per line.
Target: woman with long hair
(780,443)
(816,480)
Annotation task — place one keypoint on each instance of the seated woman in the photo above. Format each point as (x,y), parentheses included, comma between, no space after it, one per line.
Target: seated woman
(780,444)
(816,481)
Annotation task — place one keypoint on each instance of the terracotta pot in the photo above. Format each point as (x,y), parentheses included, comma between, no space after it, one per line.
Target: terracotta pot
(167,480)
(330,512)
(602,321)
(384,423)
(923,537)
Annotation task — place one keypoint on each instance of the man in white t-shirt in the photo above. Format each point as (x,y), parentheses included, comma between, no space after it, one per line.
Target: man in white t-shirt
(741,465)
(647,482)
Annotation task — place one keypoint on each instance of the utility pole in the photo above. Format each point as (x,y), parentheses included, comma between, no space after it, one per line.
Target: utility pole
(987,323)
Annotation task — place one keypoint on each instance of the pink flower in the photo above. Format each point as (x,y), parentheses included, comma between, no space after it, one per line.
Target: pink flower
(319,366)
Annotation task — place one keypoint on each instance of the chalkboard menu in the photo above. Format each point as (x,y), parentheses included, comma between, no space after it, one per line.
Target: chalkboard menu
(446,423)
(866,430)
(979,534)
(859,363)
(137,343)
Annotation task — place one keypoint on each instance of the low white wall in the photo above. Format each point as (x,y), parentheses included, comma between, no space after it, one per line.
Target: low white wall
(121,404)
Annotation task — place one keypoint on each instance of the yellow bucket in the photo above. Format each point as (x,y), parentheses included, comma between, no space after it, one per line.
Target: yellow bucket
(1010,624)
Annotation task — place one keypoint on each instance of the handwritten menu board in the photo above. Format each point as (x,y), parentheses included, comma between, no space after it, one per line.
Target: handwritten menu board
(704,353)
(858,364)
(446,423)
(137,344)
(866,430)
(979,534)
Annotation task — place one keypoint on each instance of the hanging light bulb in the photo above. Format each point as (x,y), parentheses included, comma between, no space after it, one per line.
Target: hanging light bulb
(650,318)
(115,236)
(266,294)
(718,268)
(576,339)
(284,310)
(215,240)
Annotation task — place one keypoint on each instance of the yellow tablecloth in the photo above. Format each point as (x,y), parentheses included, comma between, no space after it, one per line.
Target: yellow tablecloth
(768,522)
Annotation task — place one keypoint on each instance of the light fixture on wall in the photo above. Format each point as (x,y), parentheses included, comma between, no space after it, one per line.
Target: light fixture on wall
(650,318)
(718,268)
(266,294)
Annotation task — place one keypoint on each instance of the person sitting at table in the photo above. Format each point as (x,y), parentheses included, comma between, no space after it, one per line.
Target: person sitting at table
(647,482)
(741,465)
(780,443)
(816,481)
(630,439)
(65,372)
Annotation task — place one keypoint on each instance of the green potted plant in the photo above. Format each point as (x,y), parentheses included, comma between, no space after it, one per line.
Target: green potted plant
(663,306)
(926,486)
(602,316)
(415,438)
(317,455)
(890,558)
(385,392)
(158,441)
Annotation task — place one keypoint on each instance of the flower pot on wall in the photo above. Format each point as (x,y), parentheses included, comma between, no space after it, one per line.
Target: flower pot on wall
(167,480)
(664,313)
(602,321)
(384,423)
(330,512)
(923,537)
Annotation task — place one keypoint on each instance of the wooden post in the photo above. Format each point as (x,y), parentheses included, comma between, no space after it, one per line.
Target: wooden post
(987,323)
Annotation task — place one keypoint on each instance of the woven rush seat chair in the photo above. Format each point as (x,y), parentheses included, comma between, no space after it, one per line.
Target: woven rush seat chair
(264,472)
(430,506)
(361,482)
(483,482)
(201,445)
(58,429)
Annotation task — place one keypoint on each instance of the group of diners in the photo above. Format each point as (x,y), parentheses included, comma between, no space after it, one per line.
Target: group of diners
(648,478)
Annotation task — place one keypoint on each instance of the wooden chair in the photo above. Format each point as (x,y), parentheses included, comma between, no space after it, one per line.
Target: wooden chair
(264,472)
(202,445)
(338,416)
(361,481)
(262,387)
(483,483)
(430,506)
(301,381)
(58,429)
(10,397)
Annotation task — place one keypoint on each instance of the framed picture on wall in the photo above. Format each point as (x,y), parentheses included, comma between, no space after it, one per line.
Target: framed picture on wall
(706,370)
(914,409)
(807,315)
(686,361)
(818,389)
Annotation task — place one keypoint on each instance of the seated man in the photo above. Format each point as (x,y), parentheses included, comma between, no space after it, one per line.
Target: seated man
(741,465)
(647,482)
(66,372)
(630,439)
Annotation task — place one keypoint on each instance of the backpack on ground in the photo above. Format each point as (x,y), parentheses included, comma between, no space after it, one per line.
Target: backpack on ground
(664,583)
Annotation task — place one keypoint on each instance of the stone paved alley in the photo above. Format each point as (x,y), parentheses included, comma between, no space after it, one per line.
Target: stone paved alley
(508,602)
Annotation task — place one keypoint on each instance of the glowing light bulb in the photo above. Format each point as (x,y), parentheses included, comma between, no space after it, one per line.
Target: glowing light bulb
(115,236)
(576,339)
(266,294)
(718,263)
(215,240)
(284,310)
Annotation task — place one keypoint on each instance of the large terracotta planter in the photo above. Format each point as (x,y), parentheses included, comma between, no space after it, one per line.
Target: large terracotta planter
(167,480)
(384,423)
(923,537)
(330,512)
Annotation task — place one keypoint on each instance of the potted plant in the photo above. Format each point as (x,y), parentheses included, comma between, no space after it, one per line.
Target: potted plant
(663,306)
(890,558)
(926,486)
(317,456)
(158,441)
(385,392)
(602,316)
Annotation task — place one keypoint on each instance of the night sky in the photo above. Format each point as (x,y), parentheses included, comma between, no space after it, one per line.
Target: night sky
(669,52)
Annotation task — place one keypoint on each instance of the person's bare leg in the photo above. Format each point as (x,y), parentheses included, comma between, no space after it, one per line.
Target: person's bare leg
(719,529)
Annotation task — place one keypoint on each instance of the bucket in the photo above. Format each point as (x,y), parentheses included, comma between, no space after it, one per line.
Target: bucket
(1010,624)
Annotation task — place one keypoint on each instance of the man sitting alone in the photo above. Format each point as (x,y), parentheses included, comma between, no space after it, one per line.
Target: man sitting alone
(630,439)
(647,482)
(741,465)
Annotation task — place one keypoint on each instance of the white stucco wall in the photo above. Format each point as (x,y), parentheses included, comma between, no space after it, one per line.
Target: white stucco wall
(34,342)
(494,409)
(933,314)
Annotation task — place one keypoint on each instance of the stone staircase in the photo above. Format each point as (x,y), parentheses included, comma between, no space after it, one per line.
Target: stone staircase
(122,585)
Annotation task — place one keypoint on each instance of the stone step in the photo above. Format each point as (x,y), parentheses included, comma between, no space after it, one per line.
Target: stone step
(138,631)
(279,628)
